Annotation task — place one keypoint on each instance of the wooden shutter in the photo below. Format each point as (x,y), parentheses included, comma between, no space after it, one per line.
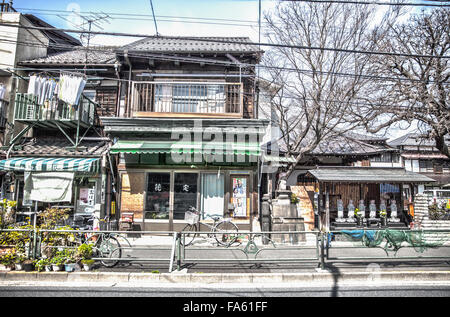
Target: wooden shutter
(107,98)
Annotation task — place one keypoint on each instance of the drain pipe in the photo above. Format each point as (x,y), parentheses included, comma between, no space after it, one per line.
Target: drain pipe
(128,108)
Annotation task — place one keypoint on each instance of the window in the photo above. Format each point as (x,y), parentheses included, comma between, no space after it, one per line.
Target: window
(188,98)
(437,168)
(157,198)
(386,158)
(425,165)
(185,193)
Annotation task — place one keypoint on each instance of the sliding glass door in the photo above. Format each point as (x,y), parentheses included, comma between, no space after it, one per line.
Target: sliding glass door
(185,193)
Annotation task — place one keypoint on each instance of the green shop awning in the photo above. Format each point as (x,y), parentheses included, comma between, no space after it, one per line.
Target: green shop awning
(154,147)
(40,164)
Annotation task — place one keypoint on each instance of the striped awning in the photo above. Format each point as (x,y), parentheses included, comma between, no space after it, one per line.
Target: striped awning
(40,164)
(206,147)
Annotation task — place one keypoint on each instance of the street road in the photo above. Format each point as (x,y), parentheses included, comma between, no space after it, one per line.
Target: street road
(236,291)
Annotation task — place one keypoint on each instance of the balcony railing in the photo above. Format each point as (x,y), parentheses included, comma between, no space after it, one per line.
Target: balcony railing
(186,99)
(28,110)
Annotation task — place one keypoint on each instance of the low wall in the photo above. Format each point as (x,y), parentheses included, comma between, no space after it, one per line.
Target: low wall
(423,221)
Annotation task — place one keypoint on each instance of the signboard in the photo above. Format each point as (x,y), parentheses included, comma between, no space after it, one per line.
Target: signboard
(239,199)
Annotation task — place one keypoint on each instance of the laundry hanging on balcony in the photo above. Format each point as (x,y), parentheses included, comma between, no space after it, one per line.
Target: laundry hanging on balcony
(70,88)
(44,88)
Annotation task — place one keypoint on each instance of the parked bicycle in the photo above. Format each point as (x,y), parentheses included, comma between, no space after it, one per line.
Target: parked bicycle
(105,244)
(223,230)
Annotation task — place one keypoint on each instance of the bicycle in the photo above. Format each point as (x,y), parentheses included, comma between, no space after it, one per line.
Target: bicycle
(105,244)
(223,230)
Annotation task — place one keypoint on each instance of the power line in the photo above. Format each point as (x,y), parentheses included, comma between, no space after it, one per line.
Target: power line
(227,41)
(224,63)
(149,17)
(411,4)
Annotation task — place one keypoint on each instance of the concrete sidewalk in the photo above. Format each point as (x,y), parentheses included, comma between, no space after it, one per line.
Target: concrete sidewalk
(192,279)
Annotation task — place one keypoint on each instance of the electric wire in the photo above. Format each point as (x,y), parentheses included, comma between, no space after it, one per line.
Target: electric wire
(223,63)
(225,41)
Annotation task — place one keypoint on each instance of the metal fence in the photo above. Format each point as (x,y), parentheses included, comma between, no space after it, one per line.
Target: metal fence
(313,247)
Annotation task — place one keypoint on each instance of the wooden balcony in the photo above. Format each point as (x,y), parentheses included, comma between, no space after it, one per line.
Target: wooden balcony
(187,99)
(54,113)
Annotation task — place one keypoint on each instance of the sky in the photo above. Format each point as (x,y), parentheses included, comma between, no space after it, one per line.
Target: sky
(174,17)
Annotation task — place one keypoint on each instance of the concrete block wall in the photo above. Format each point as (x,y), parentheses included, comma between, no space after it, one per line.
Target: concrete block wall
(423,221)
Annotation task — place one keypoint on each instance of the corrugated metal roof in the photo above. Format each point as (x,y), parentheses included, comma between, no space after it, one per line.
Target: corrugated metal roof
(193,45)
(367,175)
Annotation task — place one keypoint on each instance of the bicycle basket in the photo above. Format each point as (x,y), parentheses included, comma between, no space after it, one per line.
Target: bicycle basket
(191,217)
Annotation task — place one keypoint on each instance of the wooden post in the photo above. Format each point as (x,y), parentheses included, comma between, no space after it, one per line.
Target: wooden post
(327,208)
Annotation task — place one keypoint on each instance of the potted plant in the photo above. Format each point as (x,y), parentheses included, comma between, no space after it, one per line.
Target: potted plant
(359,218)
(84,252)
(28,265)
(87,264)
(57,262)
(69,260)
(18,262)
(43,264)
(8,259)
(383,217)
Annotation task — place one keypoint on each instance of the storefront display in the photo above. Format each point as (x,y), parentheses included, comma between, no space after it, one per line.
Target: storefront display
(157,196)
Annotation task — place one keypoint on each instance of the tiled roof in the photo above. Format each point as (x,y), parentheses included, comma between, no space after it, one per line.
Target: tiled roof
(193,45)
(347,146)
(415,139)
(367,175)
(50,147)
(76,56)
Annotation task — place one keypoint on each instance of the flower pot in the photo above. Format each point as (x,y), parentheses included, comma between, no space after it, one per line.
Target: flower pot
(28,267)
(18,266)
(384,222)
(360,221)
(69,267)
(57,267)
(87,267)
(48,268)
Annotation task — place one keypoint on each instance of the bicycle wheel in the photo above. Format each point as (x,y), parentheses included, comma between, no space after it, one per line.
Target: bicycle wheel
(188,234)
(109,248)
(226,233)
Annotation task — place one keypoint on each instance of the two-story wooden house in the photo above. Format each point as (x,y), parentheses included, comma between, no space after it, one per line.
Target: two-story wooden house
(187,132)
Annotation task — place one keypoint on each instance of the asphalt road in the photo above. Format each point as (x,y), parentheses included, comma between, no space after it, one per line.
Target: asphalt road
(238,292)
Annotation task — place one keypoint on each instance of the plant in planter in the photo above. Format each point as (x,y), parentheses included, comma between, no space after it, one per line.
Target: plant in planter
(383,217)
(70,261)
(28,265)
(8,258)
(43,264)
(359,217)
(84,252)
(19,260)
(57,262)
(87,264)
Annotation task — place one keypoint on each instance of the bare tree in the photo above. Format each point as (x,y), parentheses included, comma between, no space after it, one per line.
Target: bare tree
(416,88)
(316,89)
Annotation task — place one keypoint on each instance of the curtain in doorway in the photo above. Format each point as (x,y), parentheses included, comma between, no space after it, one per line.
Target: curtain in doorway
(48,187)
(213,188)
